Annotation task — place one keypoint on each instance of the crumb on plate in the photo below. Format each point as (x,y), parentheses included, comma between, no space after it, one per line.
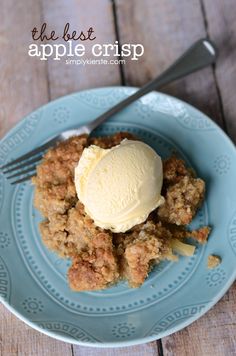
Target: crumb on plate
(213,261)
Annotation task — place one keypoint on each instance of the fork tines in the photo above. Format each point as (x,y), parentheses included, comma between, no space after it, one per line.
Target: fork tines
(24,167)
(22,171)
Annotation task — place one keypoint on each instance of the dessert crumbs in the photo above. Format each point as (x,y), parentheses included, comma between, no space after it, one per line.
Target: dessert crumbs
(213,261)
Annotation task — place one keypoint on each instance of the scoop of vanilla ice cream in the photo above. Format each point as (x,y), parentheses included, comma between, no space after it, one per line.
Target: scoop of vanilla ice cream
(119,187)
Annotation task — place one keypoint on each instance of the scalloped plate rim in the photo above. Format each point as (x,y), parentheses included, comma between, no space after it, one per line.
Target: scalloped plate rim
(131,342)
(215,124)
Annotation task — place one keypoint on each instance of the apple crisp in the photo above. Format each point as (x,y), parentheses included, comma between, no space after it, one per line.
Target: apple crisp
(99,257)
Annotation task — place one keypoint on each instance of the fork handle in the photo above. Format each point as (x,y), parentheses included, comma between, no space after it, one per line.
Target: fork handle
(201,54)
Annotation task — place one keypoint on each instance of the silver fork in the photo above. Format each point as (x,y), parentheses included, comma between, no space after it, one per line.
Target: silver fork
(201,54)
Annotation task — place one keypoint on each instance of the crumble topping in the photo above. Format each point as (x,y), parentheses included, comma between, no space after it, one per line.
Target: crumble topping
(182,200)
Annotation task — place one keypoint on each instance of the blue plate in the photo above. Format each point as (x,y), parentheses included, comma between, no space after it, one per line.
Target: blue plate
(33,280)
